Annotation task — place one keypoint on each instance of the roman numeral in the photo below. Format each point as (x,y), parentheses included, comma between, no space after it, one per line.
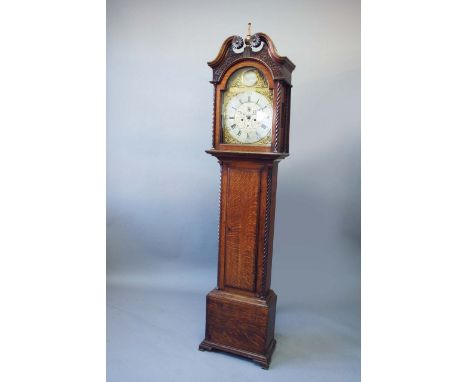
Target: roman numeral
(248,98)
(239,133)
(233,126)
(231,117)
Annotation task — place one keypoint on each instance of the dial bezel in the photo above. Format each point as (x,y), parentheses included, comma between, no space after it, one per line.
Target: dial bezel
(219,108)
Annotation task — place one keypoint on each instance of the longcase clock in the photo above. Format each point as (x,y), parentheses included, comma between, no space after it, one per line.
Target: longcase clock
(252,88)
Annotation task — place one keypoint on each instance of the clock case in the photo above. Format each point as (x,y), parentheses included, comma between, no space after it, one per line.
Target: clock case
(240,311)
(276,69)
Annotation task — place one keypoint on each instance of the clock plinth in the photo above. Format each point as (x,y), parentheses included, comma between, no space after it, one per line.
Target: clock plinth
(241,325)
(250,138)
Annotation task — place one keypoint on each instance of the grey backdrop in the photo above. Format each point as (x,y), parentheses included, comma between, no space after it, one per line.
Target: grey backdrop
(162,189)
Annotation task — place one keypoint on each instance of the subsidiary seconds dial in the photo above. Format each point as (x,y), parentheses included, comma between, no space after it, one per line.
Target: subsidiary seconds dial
(248,117)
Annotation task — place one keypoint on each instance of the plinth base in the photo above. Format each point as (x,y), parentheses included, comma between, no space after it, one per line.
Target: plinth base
(241,325)
(262,359)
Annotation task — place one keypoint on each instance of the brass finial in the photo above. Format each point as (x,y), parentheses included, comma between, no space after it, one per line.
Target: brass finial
(249,32)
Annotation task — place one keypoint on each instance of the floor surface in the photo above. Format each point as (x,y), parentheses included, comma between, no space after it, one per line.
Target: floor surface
(155,321)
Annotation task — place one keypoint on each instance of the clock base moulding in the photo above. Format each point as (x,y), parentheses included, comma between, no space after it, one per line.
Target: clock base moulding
(241,325)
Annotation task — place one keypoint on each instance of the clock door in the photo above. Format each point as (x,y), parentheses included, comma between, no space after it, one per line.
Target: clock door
(245,108)
(247,216)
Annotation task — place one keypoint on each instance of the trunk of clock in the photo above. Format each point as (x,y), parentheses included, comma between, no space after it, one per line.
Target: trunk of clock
(240,312)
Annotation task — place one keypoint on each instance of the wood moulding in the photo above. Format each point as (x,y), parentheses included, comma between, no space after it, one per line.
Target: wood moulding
(280,66)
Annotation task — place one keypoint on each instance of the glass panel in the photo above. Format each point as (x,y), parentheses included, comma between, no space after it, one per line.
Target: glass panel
(247,116)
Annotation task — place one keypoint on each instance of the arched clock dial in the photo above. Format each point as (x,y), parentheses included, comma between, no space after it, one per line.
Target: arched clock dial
(247,108)
(248,117)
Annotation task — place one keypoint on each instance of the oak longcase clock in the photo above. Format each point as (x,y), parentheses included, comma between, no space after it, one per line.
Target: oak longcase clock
(252,88)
